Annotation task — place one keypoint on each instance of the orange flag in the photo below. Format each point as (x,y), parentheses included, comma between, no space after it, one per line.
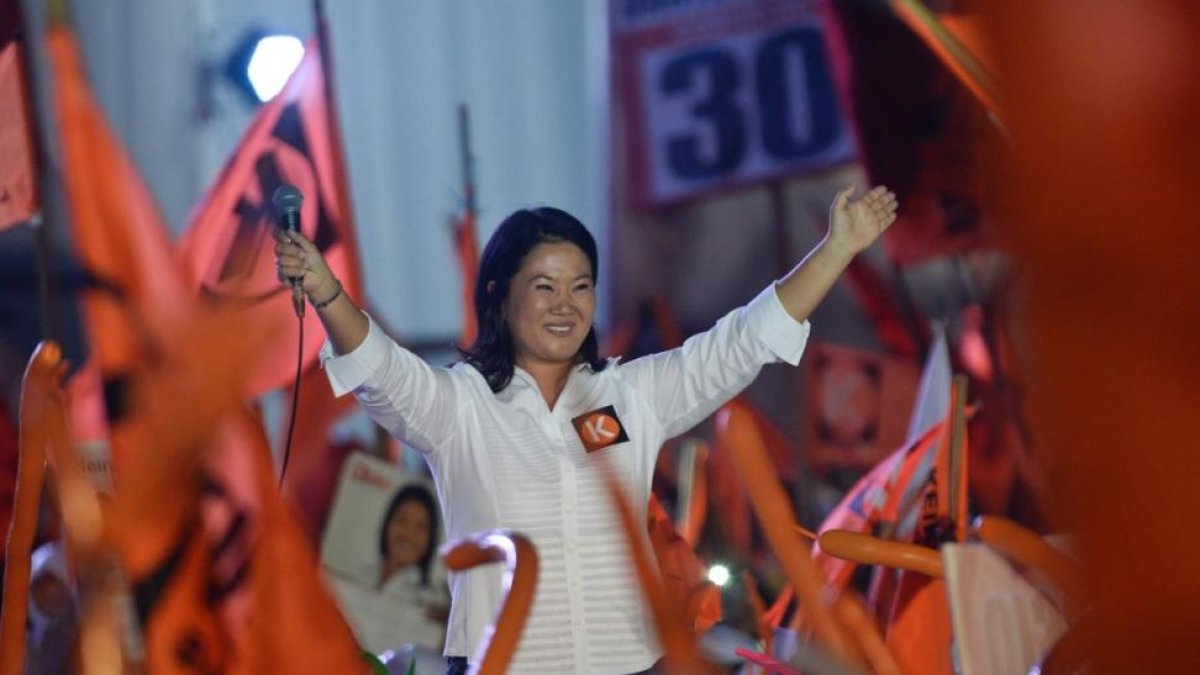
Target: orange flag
(240,590)
(118,233)
(18,171)
(120,239)
(682,572)
(228,248)
(467,252)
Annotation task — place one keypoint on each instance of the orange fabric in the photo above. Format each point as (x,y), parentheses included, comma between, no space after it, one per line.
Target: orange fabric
(1108,165)
(740,432)
(683,574)
(731,504)
(920,636)
(228,249)
(495,652)
(117,230)
(18,170)
(672,630)
(241,591)
(294,624)
(758,610)
(35,391)
(850,609)
(466,250)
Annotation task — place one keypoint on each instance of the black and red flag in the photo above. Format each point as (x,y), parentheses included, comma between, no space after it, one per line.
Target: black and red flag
(228,248)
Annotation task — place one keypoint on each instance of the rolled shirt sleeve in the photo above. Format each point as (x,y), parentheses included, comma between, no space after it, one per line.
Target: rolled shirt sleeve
(782,335)
(683,386)
(400,391)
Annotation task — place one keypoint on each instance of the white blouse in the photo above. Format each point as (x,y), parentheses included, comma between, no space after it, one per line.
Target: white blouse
(506,460)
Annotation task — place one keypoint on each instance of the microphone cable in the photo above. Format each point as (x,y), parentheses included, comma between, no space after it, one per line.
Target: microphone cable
(291,428)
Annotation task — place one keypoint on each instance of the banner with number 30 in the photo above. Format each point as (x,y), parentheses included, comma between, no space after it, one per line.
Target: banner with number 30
(723,93)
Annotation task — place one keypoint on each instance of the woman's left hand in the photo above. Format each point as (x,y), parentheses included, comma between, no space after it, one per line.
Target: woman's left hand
(854,224)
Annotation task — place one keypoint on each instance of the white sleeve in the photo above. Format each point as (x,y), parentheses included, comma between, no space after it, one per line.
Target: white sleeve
(683,386)
(400,391)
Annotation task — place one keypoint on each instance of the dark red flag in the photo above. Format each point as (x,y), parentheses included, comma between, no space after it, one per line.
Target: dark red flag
(228,248)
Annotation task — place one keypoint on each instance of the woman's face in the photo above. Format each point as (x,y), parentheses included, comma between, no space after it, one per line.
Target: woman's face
(550,305)
(408,533)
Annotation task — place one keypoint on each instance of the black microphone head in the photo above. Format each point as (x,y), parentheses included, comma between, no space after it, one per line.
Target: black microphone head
(287,200)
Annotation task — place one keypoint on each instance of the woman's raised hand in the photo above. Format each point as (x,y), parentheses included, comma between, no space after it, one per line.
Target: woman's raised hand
(298,258)
(855,223)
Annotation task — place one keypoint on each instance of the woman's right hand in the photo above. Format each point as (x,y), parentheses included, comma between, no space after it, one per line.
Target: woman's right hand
(298,258)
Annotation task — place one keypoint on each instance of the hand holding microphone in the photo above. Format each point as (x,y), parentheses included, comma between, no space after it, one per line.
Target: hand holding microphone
(298,262)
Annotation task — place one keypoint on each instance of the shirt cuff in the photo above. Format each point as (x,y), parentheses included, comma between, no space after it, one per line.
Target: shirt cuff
(349,371)
(776,329)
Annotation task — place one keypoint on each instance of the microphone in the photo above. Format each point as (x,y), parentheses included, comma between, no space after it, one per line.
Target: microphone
(287,200)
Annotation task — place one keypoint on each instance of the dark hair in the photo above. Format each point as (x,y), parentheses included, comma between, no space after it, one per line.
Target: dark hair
(418,493)
(492,353)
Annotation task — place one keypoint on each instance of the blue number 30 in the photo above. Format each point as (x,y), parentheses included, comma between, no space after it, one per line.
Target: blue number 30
(786,134)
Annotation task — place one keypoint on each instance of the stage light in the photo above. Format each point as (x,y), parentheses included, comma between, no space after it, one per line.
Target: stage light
(272,62)
(262,62)
(719,575)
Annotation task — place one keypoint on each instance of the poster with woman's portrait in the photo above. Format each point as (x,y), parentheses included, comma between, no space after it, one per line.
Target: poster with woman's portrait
(379,552)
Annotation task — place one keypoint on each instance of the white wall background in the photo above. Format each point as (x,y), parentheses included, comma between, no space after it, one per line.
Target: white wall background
(533,72)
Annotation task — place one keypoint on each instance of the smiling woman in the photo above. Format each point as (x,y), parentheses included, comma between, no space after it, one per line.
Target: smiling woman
(408,534)
(535,301)
(516,434)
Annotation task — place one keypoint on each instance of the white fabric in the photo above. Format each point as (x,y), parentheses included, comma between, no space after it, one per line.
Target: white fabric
(507,460)
(389,616)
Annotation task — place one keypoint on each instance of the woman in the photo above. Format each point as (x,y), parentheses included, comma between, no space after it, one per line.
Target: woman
(407,537)
(393,603)
(512,435)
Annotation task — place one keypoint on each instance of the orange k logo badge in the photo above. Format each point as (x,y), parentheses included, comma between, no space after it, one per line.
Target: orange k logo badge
(600,428)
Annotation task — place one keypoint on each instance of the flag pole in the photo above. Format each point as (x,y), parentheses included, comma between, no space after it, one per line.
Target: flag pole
(468,166)
(958,437)
(464,231)
(48,292)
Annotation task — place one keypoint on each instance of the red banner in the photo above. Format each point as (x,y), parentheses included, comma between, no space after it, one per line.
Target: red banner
(228,248)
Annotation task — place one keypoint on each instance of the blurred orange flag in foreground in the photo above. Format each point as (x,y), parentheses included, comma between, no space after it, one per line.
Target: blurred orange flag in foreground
(222,577)
(1104,101)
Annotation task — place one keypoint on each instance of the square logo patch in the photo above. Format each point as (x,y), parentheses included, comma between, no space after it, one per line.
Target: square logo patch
(600,428)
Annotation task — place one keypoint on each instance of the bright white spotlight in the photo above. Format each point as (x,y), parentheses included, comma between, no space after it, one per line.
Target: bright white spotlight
(272,63)
(719,575)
